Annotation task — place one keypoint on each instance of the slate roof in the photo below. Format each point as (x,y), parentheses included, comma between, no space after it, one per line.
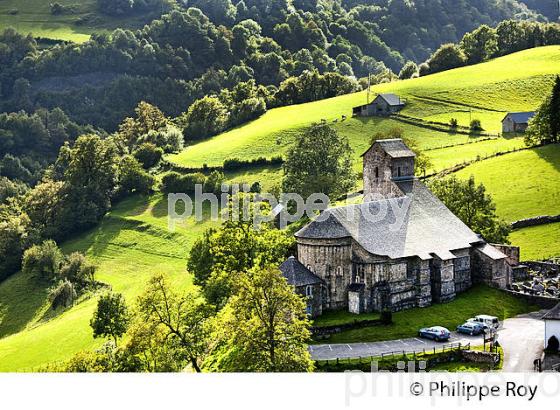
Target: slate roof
(553,314)
(391,99)
(491,252)
(297,274)
(416,224)
(395,148)
(520,117)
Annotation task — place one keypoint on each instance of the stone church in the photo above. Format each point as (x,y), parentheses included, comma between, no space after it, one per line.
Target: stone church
(400,248)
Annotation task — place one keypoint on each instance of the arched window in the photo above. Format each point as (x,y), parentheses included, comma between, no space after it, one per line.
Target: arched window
(309,291)
(376,172)
(339,270)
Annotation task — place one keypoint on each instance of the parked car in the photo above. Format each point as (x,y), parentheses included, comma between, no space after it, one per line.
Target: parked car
(471,328)
(487,321)
(437,333)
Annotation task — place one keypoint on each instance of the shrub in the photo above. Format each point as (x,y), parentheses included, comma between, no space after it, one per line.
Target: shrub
(43,261)
(173,182)
(553,345)
(386,317)
(476,125)
(148,154)
(63,294)
(77,270)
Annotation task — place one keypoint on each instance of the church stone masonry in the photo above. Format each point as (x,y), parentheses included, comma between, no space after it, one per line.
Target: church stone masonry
(401,248)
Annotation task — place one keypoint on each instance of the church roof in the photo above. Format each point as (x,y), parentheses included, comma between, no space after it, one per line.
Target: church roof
(416,224)
(520,117)
(395,148)
(491,252)
(297,274)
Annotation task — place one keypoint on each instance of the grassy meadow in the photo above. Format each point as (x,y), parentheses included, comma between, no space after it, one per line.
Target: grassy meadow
(516,82)
(523,184)
(77,23)
(131,244)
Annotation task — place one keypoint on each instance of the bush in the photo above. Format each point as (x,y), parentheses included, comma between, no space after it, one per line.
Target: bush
(43,261)
(386,317)
(148,154)
(56,9)
(77,270)
(476,125)
(553,345)
(63,294)
(173,182)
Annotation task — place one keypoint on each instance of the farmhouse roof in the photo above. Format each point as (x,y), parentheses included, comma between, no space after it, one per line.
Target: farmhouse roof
(395,148)
(391,99)
(520,117)
(297,274)
(553,314)
(416,224)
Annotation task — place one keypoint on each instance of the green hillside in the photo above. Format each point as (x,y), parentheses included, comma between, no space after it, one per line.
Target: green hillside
(79,20)
(485,91)
(523,184)
(133,242)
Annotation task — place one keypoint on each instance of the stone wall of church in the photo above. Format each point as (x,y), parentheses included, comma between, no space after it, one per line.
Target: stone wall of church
(462,270)
(330,259)
(378,172)
(443,280)
(492,272)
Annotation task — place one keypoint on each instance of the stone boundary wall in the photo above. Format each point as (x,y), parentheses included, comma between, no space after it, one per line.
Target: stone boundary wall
(544,302)
(322,331)
(538,220)
(476,356)
(543,267)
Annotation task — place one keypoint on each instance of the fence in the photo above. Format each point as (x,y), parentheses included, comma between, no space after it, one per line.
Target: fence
(398,354)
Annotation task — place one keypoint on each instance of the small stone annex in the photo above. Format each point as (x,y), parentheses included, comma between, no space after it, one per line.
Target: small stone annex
(400,248)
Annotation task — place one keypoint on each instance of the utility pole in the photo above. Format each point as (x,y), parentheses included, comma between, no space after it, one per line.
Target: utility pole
(369,85)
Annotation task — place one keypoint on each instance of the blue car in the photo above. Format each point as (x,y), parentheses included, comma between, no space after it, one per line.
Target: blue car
(437,333)
(470,328)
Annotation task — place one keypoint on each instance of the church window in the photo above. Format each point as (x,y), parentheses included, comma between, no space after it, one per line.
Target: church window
(339,270)
(398,171)
(309,291)
(376,172)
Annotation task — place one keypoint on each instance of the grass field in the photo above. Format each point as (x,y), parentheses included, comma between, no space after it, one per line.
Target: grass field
(130,245)
(76,24)
(538,242)
(523,184)
(478,300)
(491,88)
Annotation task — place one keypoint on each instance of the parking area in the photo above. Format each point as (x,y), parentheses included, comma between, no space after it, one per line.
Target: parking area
(355,350)
(521,338)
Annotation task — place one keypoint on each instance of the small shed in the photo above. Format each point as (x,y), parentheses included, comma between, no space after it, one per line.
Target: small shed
(305,284)
(383,104)
(516,121)
(551,325)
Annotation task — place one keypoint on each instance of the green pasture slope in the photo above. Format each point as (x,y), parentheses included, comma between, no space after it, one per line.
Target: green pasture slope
(516,82)
(133,242)
(129,245)
(76,24)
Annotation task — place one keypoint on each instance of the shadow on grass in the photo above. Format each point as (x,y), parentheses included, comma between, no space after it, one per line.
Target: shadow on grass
(21,298)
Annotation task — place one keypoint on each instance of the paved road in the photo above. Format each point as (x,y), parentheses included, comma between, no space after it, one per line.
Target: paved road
(521,338)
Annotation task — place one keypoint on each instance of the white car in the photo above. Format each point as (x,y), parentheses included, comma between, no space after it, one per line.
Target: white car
(488,322)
